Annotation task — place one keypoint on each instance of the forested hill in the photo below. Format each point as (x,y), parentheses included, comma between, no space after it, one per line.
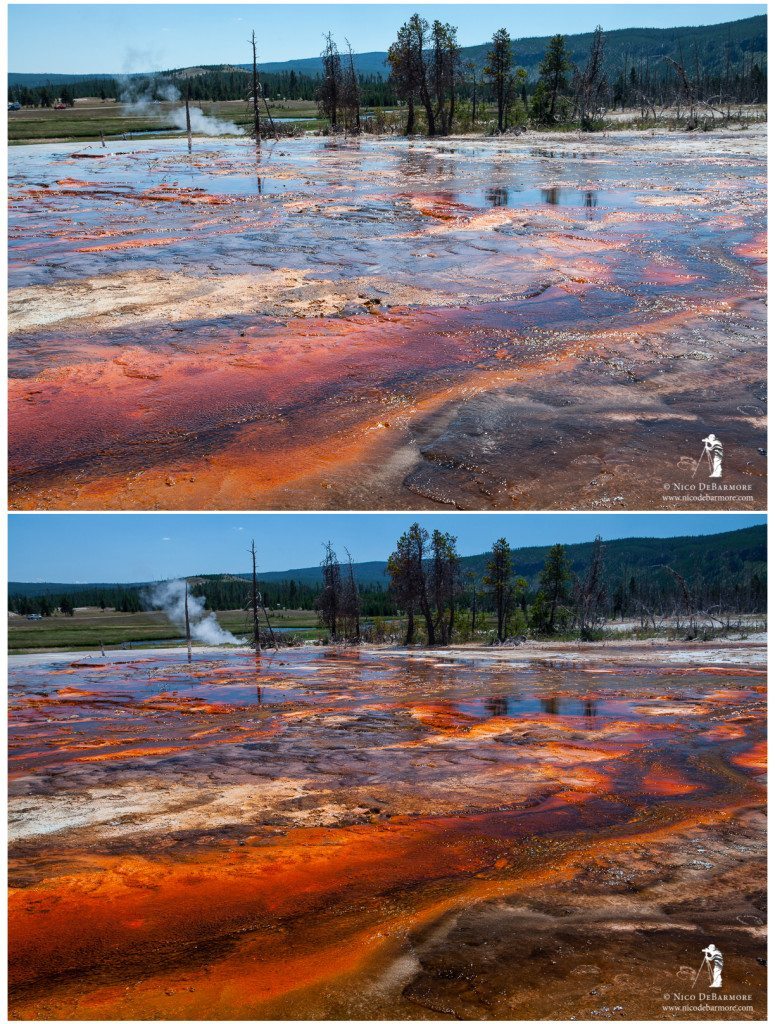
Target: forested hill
(711,557)
(722,557)
(706,44)
(709,42)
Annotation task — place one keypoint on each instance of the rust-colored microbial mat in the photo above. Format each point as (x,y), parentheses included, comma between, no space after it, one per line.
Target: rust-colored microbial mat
(384,323)
(319,834)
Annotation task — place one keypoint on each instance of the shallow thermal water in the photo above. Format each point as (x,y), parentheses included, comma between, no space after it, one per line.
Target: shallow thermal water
(491,324)
(326,834)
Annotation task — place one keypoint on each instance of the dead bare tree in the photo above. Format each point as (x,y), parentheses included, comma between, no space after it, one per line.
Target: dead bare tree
(591,591)
(351,604)
(256,116)
(351,99)
(268,623)
(685,89)
(590,83)
(269,114)
(254,602)
(647,615)
(686,597)
(188,623)
(188,115)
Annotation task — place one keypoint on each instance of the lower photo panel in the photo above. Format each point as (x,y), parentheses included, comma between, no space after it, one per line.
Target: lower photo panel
(387,766)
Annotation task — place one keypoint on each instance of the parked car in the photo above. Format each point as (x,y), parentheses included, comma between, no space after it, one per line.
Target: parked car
(60,106)
(14,106)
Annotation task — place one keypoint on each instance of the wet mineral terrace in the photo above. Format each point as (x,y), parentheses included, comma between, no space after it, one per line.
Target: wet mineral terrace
(376,834)
(550,322)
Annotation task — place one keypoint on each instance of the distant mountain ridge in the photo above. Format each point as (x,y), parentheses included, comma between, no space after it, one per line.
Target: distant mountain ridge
(745,35)
(712,556)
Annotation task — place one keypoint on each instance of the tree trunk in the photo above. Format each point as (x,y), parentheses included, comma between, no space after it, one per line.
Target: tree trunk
(409,628)
(188,626)
(429,625)
(553,612)
(410,116)
(426,102)
(256,633)
(555,90)
(256,118)
(188,116)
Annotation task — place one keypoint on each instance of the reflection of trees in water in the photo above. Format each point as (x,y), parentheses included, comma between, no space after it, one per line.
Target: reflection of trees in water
(415,162)
(553,706)
(335,142)
(334,653)
(497,196)
(553,196)
(497,706)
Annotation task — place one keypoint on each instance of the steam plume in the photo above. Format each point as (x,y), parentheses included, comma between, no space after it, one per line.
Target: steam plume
(204,124)
(170,597)
(138,97)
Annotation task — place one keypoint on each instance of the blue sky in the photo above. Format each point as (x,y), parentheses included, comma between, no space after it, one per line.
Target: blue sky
(123,548)
(123,38)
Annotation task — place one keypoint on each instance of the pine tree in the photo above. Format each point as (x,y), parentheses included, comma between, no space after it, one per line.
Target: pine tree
(553,69)
(405,71)
(554,580)
(498,580)
(499,70)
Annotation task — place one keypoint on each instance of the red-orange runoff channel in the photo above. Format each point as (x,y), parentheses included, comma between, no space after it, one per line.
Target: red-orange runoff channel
(373,834)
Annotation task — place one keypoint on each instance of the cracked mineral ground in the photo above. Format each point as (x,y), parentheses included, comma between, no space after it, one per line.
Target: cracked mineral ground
(544,322)
(383,834)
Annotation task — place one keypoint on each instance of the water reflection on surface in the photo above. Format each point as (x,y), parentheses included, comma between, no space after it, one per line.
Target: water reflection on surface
(290,814)
(293,319)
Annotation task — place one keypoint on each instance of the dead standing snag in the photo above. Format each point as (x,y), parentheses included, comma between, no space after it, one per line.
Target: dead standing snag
(254,602)
(256,117)
(188,622)
(188,115)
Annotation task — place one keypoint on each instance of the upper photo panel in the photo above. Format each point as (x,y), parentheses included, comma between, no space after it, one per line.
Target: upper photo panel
(387,257)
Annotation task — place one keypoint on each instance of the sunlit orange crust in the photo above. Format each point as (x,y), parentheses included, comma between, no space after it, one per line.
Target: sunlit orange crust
(270,837)
(420,330)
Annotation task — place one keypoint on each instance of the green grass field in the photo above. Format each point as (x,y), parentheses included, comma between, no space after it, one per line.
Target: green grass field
(90,117)
(90,627)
